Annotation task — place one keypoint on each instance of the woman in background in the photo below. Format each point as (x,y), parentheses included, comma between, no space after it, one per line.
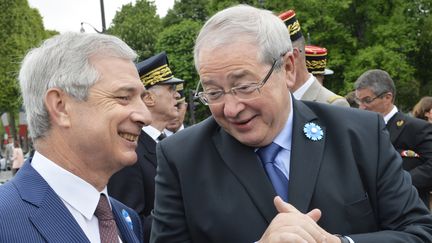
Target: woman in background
(423,109)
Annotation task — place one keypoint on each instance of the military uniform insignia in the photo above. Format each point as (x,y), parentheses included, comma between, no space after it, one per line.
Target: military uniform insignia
(409,153)
(400,123)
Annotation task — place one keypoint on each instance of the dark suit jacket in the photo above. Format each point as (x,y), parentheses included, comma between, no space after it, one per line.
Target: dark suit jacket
(214,189)
(409,133)
(134,185)
(30,211)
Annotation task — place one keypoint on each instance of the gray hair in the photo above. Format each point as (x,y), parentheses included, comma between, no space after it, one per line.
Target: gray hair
(260,27)
(377,80)
(63,62)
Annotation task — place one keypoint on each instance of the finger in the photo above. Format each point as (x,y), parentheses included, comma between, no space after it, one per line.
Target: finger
(283,207)
(315,214)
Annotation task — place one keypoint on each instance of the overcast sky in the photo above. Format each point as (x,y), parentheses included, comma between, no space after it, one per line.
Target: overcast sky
(67,15)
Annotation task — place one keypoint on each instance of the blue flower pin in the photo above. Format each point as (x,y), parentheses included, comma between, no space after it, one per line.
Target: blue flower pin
(127,218)
(313,131)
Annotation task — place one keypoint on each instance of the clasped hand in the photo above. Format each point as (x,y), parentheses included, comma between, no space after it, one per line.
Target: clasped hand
(290,225)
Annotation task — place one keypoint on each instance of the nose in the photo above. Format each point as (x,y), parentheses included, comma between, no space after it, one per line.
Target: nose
(177,95)
(232,106)
(141,114)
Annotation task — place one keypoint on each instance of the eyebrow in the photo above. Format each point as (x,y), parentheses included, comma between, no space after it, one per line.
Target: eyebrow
(235,75)
(131,89)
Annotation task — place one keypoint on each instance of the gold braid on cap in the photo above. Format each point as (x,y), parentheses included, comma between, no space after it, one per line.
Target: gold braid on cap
(160,74)
(316,64)
(294,28)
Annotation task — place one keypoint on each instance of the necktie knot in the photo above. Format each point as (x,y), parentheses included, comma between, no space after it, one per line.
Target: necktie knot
(103,210)
(107,226)
(268,153)
(161,136)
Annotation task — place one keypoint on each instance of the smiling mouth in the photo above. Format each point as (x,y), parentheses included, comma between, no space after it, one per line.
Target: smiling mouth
(129,137)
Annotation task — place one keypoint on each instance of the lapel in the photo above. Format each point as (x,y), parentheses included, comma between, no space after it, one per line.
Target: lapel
(51,218)
(306,157)
(126,233)
(395,126)
(312,92)
(245,165)
(148,147)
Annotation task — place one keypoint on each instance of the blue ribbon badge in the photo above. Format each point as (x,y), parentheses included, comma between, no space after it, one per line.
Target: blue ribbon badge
(127,218)
(313,131)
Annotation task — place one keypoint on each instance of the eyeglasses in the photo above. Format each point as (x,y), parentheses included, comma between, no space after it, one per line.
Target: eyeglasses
(242,91)
(368,100)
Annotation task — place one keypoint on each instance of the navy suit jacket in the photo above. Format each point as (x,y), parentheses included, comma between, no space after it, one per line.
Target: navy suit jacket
(134,185)
(212,188)
(30,211)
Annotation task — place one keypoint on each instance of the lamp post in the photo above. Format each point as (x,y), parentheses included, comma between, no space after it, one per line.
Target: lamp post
(82,30)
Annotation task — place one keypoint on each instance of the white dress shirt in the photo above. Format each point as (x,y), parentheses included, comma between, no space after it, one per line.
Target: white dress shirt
(389,115)
(298,94)
(79,197)
(152,132)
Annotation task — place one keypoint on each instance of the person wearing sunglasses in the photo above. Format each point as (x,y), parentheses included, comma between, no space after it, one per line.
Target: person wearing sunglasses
(265,167)
(411,137)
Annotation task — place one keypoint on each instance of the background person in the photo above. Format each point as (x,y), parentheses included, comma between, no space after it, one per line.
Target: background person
(316,62)
(134,185)
(423,109)
(217,181)
(411,137)
(306,86)
(17,158)
(177,123)
(83,99)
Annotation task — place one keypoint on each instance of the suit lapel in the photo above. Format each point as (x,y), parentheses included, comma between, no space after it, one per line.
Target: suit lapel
(245,165)
(395,126)
(306,157)
(126,232)
(148,146)
(51,217)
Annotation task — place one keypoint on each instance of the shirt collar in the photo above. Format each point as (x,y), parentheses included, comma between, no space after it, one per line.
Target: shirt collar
(390,114)
(284,138)
(152,132)
(75,191)
(302,90)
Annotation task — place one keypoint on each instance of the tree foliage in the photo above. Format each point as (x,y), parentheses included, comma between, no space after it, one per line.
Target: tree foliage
(138,25)
(394,35)
(21,29)
(178,41)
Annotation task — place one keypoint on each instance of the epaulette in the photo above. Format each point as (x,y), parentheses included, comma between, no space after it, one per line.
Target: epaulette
(333,98)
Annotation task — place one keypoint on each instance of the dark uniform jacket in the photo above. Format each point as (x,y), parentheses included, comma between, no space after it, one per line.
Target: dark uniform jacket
(412,138)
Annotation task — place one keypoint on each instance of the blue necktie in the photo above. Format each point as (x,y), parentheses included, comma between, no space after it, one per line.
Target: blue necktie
(278,179)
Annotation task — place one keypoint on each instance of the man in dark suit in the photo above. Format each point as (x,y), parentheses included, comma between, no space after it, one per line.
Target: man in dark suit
(334,167)
(83,100)
(134,185)
(412,137)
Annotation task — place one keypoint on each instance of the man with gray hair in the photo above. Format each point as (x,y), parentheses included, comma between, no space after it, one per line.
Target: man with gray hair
(267,167)
(83,99)
(411,137)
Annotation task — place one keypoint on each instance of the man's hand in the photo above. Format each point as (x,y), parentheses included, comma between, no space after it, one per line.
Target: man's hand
(290,225)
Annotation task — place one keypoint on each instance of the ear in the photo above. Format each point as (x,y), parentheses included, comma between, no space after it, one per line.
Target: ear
(56,104)
(289,68)
(150,99)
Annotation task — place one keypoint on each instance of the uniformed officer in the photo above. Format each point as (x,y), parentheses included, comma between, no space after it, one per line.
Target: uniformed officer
(306,86)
